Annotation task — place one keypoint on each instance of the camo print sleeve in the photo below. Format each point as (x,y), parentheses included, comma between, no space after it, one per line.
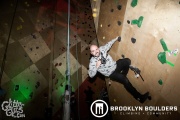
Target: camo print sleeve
(92,68)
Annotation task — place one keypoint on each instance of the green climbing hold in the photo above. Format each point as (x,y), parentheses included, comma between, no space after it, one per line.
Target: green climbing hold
(164,45)
(162,59)
(137,22)
(134,3)
(160,82)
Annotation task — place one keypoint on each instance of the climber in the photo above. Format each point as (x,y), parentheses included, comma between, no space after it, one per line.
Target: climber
(103,63)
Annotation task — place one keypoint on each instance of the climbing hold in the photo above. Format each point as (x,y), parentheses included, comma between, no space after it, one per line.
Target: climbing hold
(138,22)
(94,15)
(119,23)
(128,21)
(163,45)
(16,88)
(34,36)
(162,59)
(103,0)
(31,95)
(21,19)
(119,38)
(119,7)
(109,25)
(112,10)
(134,3)
(56,64)
(160,82)
(94,9)
(19,27)
(133,40)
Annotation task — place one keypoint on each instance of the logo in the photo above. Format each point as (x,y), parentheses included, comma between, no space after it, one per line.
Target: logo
(13,108)
(101,108)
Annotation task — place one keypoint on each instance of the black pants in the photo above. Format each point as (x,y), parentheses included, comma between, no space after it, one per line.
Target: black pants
(120,73)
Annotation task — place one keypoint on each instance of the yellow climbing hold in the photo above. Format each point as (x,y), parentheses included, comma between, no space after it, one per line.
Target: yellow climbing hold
(94,15)
(21,19)
(19,27)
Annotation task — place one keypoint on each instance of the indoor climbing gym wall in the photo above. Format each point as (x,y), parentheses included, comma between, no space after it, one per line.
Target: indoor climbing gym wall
(33,39)
(150,32)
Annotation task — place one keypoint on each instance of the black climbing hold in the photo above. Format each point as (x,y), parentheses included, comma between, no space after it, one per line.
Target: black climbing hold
(33,36)
(16,87)
(119,38)
(31,95)
(119,7)
(119,23)
(112,10)
(103,0)
(128,21)
(133,40)
(109,25)
(38,83)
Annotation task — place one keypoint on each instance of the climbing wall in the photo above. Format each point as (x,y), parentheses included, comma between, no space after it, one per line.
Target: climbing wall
(111,26)
(35,64)
(95,6)
(149,37)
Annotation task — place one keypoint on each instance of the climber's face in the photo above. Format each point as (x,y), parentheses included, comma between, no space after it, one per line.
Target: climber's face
(94,50)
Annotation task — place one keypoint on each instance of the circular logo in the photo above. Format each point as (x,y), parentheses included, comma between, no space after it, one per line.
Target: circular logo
(99,108)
